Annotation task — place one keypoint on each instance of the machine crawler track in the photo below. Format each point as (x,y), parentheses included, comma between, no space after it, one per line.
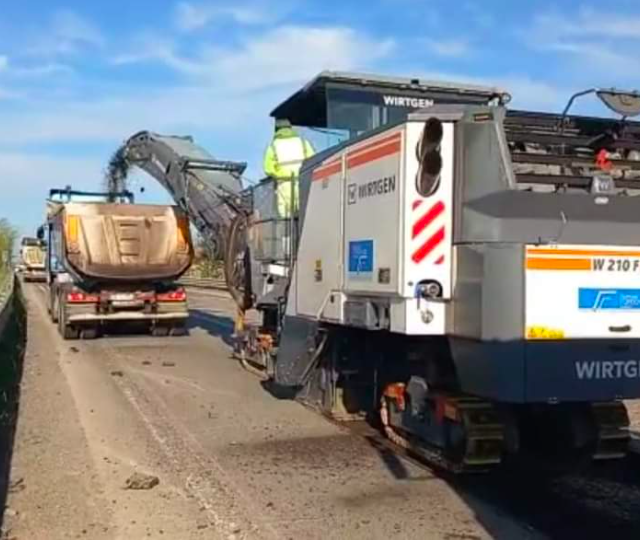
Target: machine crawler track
(483,438)
(612,421)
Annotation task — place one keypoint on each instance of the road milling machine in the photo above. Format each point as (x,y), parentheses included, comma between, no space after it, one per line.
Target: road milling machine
(466,273)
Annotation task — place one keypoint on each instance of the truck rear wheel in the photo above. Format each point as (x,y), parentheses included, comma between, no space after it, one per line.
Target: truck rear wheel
(53,307)
(90,332)
(179,329)
(160,330)
(66,331)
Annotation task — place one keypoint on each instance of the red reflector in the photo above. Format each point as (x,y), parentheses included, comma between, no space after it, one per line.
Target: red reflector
(174,296)
(81,298)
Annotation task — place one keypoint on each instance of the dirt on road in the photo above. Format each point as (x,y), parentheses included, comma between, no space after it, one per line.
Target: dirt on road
(231,461)
(134,437)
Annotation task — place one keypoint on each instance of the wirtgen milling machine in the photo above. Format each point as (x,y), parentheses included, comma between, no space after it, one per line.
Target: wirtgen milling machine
(469,274)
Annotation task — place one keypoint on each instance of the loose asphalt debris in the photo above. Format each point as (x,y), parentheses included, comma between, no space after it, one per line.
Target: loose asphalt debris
(141,481)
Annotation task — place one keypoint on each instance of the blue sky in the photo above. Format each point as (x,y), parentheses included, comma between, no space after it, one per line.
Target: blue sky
(77,78)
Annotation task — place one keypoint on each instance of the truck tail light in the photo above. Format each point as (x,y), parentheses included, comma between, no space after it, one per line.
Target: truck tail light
(183,234)
(78,297)
(429,157)
(72,230)
(179,295)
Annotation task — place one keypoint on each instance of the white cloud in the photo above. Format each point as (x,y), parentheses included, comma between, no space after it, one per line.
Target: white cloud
(31,175)
(600,56)
(67,33)
(284,55)
(29,168)
(190,16)
(40,70)
(526,92)
(599,42)
(231,126)
(149,47)
(223,91)
(293,54)
(451,48)
(587,23)
(533,93)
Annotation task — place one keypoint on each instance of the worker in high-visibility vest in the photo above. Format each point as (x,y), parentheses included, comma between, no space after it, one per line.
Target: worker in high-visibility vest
(282,161)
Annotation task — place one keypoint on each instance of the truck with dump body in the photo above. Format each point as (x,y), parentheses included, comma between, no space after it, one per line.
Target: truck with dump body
(31,261)
(113,261)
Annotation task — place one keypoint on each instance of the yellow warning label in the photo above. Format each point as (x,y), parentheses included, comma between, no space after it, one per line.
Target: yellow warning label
(544,332)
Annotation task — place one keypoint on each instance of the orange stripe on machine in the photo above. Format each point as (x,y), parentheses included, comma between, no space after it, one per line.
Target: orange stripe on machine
(331,168)
(374,154)
(542,263)
(384,140)
(583,252)
(367,153)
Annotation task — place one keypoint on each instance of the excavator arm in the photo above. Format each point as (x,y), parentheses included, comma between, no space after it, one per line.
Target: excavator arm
(207,189)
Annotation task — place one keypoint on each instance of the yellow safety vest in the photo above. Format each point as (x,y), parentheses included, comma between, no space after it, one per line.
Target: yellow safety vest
(283,160)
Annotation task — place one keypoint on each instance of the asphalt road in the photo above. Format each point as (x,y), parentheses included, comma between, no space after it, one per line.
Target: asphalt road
(235,462)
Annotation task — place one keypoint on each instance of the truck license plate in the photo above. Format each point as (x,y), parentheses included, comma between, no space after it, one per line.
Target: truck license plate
(123,297)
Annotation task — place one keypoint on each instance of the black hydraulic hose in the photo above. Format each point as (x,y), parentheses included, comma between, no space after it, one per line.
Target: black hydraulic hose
(304,378)
(240,297)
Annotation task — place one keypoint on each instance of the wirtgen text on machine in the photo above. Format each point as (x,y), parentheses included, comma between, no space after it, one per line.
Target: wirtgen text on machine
(411,102)
(608,369)
(377,187)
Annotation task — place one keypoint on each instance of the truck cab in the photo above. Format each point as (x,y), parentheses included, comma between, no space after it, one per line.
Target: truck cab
(31,265)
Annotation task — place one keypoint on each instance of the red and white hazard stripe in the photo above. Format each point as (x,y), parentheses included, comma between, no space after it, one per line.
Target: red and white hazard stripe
(428,232)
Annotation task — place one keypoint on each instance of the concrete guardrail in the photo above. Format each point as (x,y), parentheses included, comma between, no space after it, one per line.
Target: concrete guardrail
(6,305)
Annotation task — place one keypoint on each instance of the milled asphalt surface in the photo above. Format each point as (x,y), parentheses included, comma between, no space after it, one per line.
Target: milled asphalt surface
(235,462)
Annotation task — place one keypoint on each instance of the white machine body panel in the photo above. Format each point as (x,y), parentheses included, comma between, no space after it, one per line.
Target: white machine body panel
(318,270)
(370,236)
(429,220)
(373,219)
(582,292)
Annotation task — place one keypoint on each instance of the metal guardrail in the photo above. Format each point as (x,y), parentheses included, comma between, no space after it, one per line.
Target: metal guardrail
(204,283)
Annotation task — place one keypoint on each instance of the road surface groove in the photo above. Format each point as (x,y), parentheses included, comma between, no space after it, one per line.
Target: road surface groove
(235,462)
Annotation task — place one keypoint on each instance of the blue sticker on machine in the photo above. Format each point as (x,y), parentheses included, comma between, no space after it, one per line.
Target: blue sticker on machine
(361,258)
(609,299)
